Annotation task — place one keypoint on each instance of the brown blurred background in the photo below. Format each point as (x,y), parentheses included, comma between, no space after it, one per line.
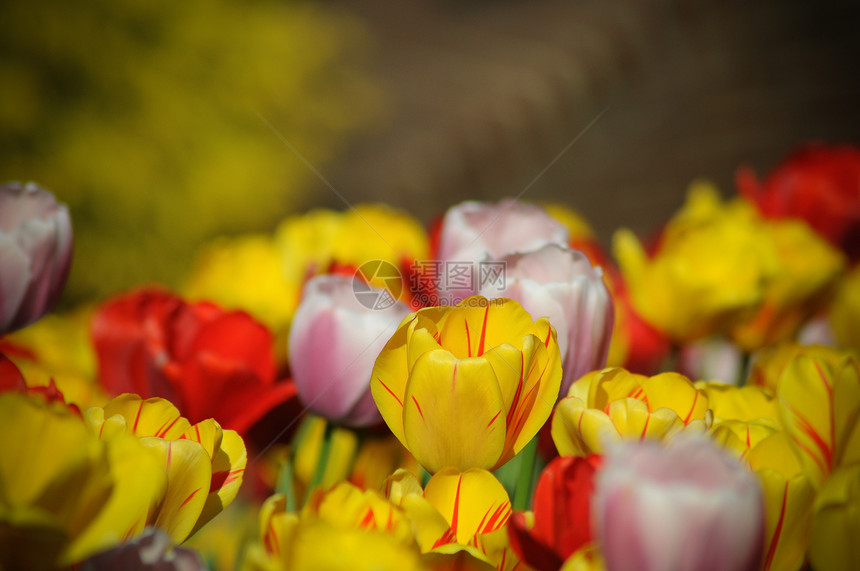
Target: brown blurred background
(482,97)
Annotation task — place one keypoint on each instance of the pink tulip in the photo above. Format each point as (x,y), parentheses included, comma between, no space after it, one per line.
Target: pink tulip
(334,342)
(687,507)
(35,253)
(559,283)
(472,232)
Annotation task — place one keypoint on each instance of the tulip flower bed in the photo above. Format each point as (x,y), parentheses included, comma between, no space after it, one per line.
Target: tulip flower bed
(356,392)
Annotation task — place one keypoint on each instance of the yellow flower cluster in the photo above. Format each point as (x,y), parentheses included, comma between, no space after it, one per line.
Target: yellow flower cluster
(721,268)
(74,486)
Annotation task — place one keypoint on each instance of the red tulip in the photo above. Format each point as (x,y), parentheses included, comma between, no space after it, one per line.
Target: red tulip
(562,522)
(35,253)
(209,362)
(819,184)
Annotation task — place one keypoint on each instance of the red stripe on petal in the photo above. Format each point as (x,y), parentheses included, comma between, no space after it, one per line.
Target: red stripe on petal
(483,332)
(776,532)
(418,406)
(400,402)
(188,499)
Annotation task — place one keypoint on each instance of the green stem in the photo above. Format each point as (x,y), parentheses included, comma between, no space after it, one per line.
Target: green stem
(285,484)
(523,492)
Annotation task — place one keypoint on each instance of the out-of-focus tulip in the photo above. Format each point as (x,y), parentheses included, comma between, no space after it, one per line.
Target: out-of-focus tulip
(334,341)
(150,551)
(770,364)
(481,372)
(636,345)
(35,253)
(474,232)
(561,520)
(66,494)
(211,363)
(712,359)
(836,523)
(457,511)
(58,349)
(819,184)
(246,273)
(341,529)
(560,284)
(806,270)
(689,506)
(819,404)
(204,464)
(844,315)
(708,271)
(788,496)
(613,404)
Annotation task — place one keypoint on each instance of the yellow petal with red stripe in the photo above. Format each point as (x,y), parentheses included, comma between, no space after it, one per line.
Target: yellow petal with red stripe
(189,474)
(478,324)
(472,502)
(788,496)
(389,376)
(139,484)
(150,417)
(228,469)
(675,392)
(450,405)
(740,437)
(529,382)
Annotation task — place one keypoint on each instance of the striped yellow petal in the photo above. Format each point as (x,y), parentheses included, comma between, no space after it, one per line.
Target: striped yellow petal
(450,405)
(472,502)
(189,474)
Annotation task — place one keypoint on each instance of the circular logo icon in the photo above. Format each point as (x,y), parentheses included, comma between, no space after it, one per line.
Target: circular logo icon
(388,279)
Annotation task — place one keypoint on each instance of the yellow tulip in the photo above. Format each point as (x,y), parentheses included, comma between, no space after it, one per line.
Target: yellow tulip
(481,372)
(457,511)
(836,523)
(344,528)
(807,269)
(820,404)
(747,403)
(770,363)
(64,494)
(708,272)
(788,497)
(613,404)
(204,464)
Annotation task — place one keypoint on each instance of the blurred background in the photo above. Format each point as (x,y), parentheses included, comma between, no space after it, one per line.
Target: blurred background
(162,124)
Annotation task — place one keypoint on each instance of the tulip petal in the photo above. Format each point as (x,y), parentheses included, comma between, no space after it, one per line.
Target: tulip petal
(389,376)
(150,417)
(139,484)
(189,475)
(441,388)
(576,428)
(16,278)
(676,392)
(478,324)
(472,502)
(788,496)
